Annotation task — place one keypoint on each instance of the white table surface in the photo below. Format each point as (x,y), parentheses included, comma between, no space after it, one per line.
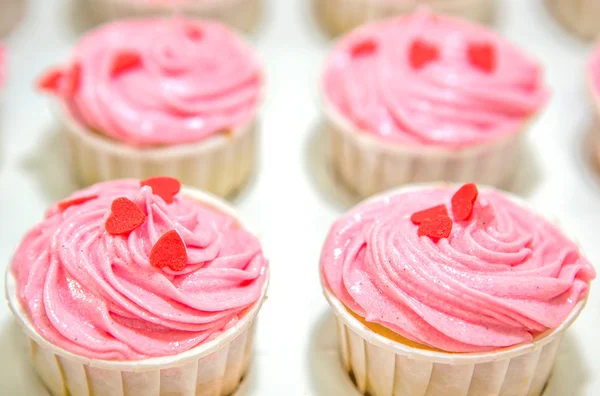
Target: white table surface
(293,199)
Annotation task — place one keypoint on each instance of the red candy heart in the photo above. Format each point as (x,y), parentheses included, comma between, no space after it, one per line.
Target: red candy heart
(421,53)
(163,186)
(50,80)
(364,48)
(126,216)
(482,56)
(63,205)
(436,227)
(418,217)
(463,201)
(125,60)
(72,80)
(169,251)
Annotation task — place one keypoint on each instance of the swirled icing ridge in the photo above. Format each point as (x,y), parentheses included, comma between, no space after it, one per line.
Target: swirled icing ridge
(500,279)
(98,296)
(195,79)
(440,97)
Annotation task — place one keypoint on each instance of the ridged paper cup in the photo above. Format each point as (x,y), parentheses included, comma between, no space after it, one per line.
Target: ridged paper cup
(215,368)
(580,17)
(241,14)
(220,164)
(340,16)
(383,367)
(368,165)
(380,366)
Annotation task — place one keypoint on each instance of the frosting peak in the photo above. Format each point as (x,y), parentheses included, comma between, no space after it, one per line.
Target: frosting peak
(432,80)
(500,278)
(98,295)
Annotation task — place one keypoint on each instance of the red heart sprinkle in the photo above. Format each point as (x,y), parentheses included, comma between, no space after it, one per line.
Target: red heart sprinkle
(63,205)
(50,80)
(421,53)
(482,56)
(163,186)
(418,217)
(463,200)
(436,227)
(72,81)
(125,60)
(194,33)
(364,48)
(126,216)
(169,251)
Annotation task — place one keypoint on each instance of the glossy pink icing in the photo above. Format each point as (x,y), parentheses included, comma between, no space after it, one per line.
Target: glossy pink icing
(97,295)
(447,103)
(499,279)
(196,79)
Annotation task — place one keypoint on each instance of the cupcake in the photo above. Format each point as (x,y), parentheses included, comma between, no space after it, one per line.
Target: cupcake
(11,13)
(340,16)
(240,14)
(593,75)
(135,288)
(445,291)
(580,17)
(424,98)
(149,97)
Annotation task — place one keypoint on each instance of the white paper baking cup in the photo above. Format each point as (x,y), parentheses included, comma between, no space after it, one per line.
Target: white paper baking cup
(578,16)
(214,368)
(241,14)
(340,16)
(368,165)
(383,367)
(219,164)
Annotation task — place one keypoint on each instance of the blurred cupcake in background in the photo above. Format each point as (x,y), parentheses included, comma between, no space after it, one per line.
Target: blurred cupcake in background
(134,288)
(578,16)
(426,97)
(240,14)
(593,76)
(340,16)
(439,290)
(11,12)
(148,97)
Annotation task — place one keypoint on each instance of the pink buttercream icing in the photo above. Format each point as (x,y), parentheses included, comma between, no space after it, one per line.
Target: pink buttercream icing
(97,295)
(500,279)
(594,71)
(196,79)
(449,102)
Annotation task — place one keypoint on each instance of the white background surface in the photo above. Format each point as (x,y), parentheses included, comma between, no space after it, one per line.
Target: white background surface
(293,199)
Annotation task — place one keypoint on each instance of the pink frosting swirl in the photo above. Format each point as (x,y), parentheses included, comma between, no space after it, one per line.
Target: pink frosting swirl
(98,296)
(195,79)
(447,100)
(499,279)
(594,72)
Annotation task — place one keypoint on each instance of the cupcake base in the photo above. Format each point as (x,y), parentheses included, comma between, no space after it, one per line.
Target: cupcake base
(579,17)
(368,165)
(220,164)
(381,367)
(214,368)
(340,16)
(240,14)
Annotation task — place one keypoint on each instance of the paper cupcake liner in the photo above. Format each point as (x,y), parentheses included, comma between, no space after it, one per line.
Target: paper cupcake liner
(580,17)
(241,14)
(368,165)
(340,16)
(214,368)
(219,164)
(11,12)
(382,367)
